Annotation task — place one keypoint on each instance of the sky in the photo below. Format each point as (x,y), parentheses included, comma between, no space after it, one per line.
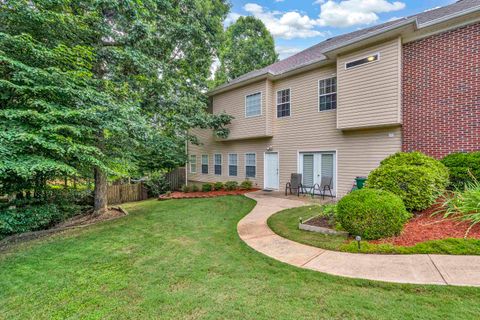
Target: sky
(299,24)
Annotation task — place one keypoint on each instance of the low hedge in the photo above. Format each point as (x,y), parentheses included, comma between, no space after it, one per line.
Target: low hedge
(30,218)
(418,179)
(372,214)
(464,169)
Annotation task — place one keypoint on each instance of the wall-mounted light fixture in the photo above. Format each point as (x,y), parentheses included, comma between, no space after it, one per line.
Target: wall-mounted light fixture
(269,148)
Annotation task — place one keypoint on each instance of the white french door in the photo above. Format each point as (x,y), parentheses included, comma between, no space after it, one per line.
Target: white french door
(271,170)
(315,165)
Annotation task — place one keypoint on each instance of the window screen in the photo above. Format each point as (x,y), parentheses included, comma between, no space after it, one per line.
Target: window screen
(327,94)
(232,165)
(250,165)
(253,105)
(283,103)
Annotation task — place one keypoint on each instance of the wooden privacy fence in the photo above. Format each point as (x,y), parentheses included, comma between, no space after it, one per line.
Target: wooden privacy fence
(126,193)
(176,178)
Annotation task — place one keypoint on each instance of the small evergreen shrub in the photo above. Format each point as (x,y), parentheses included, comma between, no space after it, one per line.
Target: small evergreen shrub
(372,214)
(195,188)
(185,188)
(231,185)
(464,168)
(206,187)
(418,179)
(218,186)
(419,159)
(246,185)
(157,184)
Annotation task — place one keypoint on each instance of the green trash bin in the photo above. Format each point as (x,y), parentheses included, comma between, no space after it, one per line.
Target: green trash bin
(360,181)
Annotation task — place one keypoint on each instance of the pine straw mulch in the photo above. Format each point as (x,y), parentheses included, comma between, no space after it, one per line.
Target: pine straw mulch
(424,227)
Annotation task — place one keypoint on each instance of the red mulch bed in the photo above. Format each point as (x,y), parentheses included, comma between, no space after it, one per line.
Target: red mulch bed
(424,227)
(201,194)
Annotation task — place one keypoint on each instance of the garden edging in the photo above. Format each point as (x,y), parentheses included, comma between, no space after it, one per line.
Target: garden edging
(415,269)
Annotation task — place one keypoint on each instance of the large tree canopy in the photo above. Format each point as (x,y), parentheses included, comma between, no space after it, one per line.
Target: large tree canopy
(247,46)
(102,85)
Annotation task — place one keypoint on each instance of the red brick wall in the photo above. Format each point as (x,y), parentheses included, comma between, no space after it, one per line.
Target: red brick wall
(441,92)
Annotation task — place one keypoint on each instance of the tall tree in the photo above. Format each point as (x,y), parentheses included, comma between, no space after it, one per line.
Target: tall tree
(116,78)
(247,46)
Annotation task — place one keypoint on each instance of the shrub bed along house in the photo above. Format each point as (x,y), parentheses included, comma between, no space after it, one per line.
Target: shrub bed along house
(464,168)
(372,214)
(418,179)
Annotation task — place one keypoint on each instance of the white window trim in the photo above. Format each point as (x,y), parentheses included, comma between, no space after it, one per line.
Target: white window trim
(245,160)
(326,94)
(363,64)
(190,162)
(215,163)
(276,103)
(261,104)
(202,164)
(228,165)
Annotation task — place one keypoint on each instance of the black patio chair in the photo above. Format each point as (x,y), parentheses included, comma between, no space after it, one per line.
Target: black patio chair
(326,185)
(294,184)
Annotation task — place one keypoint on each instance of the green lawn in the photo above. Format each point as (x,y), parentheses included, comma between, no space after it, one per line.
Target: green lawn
(285,223)
(183,259)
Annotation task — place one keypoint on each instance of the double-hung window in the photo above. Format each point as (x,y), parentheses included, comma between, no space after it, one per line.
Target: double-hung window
(253,105)
(250,165)
(232,165)
(327,94)
(218,164)
(283,103)
(205,163)
(193,163)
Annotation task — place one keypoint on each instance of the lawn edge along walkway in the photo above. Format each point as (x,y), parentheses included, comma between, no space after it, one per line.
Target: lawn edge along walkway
(415,268)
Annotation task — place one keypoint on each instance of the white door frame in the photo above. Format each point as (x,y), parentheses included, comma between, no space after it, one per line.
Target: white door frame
(265,169)
(335,163)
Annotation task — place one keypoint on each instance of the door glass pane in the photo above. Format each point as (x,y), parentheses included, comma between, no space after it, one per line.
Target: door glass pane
(327,165)
(308,169)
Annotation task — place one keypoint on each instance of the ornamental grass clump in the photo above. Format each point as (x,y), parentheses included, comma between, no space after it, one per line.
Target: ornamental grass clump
(372,214)
(463,205)
(418,179)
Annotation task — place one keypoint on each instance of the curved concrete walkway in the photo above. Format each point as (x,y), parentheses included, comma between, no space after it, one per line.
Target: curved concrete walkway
(418,269)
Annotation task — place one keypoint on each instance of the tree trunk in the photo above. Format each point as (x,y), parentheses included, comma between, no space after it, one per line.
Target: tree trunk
(100,192)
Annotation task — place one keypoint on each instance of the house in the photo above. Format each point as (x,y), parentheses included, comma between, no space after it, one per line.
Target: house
(340,107)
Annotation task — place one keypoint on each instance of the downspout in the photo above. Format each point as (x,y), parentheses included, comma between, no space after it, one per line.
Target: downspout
(186,162)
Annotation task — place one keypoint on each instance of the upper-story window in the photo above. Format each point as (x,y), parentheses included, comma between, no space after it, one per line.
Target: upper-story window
(205,163)
(217,164)
(327,94)
(253,105)
(359,62)
(283,103)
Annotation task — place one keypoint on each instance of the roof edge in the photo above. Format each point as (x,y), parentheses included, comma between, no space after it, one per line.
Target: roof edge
(402,23)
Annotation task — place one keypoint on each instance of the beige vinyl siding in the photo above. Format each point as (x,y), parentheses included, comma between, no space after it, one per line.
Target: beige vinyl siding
(233,103)
(210,146)
(369,95)
(306,130)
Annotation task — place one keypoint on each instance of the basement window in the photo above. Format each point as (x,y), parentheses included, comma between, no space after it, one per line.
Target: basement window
(356,63)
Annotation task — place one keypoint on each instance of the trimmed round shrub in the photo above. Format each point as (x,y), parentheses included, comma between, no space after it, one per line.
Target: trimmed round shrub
(418,179)
(464,169)
(206,187)
(246,185)
(372,214)
(231,185)
(218,186)
(419,159)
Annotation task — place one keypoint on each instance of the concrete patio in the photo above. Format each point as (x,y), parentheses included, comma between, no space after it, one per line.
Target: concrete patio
(417,269)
